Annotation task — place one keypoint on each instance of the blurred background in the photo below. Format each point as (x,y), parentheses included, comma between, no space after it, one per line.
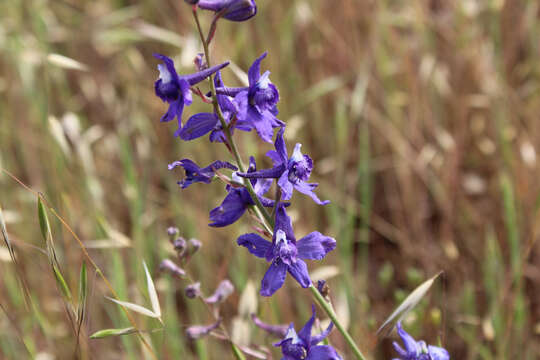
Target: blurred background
(422,120)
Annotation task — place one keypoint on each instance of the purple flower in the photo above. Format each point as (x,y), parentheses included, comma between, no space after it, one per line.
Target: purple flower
(238,199)
(170,267)
(198,331)
(257,102)
(175,89)
(285,253)
(292,173)
(201,124)
(193,290)
(233,10)
(223,291)
(303,346)
(196,174)
(276,330)
(417,350)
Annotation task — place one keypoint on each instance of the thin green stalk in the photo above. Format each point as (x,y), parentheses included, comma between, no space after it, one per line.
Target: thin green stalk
(332,315)
(261,211)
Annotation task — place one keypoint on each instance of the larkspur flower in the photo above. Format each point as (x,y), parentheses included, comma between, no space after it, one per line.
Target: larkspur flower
(238,199)
(199,331)
(417,350)
(303,346)
(201,124)
(222,292)
(285,253)
(292,173)
(233,10)
(257,102)
(175,89)
(196,174)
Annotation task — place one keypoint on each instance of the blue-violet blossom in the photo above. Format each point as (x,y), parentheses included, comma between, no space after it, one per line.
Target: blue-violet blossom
(303,346)
(285,253)
(417,350)
(194,173)
(238,199)
(257,102)
(203,123)
(175,89)
(233,10)
(292,173)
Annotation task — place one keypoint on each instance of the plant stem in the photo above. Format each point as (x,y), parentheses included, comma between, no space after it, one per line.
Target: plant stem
(327,307)
(261,211)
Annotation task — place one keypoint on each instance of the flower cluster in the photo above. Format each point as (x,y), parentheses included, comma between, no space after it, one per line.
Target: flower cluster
(247,108)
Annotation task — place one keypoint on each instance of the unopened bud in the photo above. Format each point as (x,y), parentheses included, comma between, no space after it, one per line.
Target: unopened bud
(180,246)
(233,10)
(193,290)
(194,245)
(170,267)
(198,331)
(223,291)
(172,232)
(200,64)
(277,330)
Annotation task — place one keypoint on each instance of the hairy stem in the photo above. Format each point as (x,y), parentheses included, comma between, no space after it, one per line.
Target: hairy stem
(327,307)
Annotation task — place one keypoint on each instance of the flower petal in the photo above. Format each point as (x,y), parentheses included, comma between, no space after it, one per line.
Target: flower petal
(196,78)
(318,338)
(171,112)
(307,189)
(231,209)
(323,352)
(262,123)
(285,185)
(283,222)
(299,271)
(410,344)
(305,332)
(274,278)
(255,244)
(198,125)
(281,148)
(438,353)
(254,72)
(315,246)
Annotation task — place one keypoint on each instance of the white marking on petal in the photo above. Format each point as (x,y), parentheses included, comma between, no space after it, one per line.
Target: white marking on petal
(264,80)
(280,236)
(164,73)
(237,178)
(297,154)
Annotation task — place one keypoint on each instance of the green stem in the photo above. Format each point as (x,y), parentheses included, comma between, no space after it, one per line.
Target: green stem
(261,211)
(327,307)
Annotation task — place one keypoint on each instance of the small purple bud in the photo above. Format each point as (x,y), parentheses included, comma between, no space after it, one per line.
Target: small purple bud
(323,288)
(180,246)
(223,291)
(193,290)
(233,10)
(200,64)
(194,246)
(170,267)
(277,330)
(172,232)
(198,331)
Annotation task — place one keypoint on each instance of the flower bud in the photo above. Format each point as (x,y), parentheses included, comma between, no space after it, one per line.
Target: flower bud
(200,64)
(194,245)
(172,232)
(170,267)
(277,330)
(233,10)
(193,290)
(223,291)
(198,331)
(180,246)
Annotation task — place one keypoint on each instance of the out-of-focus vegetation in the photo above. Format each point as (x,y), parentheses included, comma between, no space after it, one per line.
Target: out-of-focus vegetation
(421,117)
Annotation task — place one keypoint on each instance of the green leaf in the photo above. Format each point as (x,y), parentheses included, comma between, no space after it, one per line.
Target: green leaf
(43,221)
(82,292)
(61,282)
(112,332)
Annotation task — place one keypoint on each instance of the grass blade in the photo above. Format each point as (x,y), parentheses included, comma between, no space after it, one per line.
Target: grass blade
(152,293)
(134,307)
(410,302)
(112,332)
